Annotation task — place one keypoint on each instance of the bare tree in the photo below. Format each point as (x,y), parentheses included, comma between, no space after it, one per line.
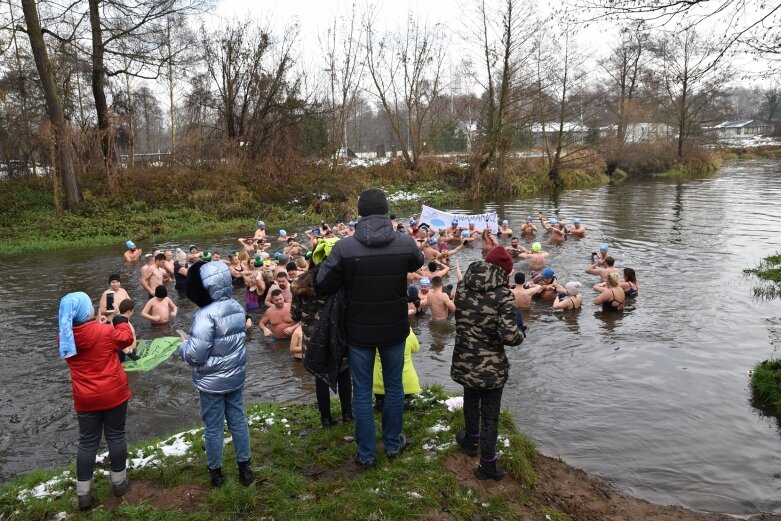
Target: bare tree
(65,173)
(690,77)
(624,67)
(341,47)
(406,70)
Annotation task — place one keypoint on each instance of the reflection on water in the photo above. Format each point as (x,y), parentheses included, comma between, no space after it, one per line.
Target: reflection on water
(655,399)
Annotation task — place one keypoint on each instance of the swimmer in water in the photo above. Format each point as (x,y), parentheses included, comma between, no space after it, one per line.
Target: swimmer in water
(489,239)
(599,258)
(613,298)
(118,294)
(536,258)
(523,292)
(607,267)
(529,229)
(515,249)
(569,296)
(439,302)
(556,229)
(505,230)
(278,317)
(160,309)
(260,233)
(132,254)
(577,230)
(549,285)
(629,284)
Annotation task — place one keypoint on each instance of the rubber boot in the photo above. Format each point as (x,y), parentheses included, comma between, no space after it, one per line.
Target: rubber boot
(216,477)
(119,482)
(468,442)
(245,473)
(489,469)
(84,495)
(327,421)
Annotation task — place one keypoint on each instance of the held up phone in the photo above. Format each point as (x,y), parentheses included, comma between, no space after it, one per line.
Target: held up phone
(110,301)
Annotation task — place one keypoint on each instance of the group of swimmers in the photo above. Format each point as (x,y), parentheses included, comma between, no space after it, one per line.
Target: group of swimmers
(265,266)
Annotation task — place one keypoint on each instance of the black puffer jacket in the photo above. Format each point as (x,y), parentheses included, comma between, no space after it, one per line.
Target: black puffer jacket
(372,267)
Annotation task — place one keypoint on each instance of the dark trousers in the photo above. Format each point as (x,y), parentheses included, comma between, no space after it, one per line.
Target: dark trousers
(481,417)
(109,423)
(344,385)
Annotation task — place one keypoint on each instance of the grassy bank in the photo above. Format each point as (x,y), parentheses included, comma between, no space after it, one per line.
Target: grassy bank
(177,202)
(304,472)
(769,271)
(766,384)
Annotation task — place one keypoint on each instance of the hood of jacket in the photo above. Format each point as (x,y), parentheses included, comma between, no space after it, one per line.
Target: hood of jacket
(217,280)
(483,276)
(374,231)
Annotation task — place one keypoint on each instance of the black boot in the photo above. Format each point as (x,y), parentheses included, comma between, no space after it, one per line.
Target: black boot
(468,442)
(216,477)
(85,496)
(245,473)
(119,482)
(347,416)
(327,421)
(489,469)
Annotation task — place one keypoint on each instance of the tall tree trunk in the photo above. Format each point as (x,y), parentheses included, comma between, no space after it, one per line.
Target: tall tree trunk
(65,173)
(99,83)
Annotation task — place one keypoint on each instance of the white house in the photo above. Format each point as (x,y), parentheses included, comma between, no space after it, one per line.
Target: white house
(740,129)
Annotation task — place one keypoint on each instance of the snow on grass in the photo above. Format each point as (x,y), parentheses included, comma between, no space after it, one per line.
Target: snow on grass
(455,403)
(50,489)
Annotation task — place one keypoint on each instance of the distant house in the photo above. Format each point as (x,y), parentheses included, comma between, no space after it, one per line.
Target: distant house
(572,132)
(648,132)
(740,129)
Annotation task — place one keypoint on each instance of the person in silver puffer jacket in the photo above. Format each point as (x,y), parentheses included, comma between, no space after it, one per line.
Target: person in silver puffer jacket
(215,351)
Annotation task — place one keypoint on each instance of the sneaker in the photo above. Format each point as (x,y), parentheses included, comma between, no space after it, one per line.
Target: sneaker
(489,470)
(365,465)
(403,444)
(216,477)
(467,443)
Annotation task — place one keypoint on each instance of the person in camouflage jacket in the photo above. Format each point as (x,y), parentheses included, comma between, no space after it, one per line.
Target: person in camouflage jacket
(305,309)
(485,324)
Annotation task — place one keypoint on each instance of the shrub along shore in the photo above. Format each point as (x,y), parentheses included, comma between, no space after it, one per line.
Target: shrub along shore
(306,472)
(162,203)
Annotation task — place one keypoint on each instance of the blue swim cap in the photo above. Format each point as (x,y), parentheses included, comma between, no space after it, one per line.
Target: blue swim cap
(454,222)
(603,246)
(277,255)
(547,273)
(261,224)
(529,218)
(412,222)
(282,233)
(465,234)
(315,231)
(554,220)
(130,245)
(505,222)
(425,282)
(351,224)
(432,241)
(576,221)
(412,292)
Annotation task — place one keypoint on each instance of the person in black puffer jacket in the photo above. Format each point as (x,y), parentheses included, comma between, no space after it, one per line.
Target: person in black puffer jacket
(372,267)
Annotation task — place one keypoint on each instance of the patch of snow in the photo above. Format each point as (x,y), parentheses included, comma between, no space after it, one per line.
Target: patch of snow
(439,427)
(47,490)
(455,403)
(414,495)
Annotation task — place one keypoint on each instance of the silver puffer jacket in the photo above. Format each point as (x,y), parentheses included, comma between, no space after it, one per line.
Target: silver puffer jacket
(215,349)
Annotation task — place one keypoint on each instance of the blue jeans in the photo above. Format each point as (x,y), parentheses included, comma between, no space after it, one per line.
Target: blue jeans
(215,409)
(362,370)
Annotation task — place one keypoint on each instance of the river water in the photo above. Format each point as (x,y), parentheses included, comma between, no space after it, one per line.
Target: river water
(655,401)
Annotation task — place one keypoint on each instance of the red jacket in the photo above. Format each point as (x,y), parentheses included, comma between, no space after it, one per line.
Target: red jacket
(98,379)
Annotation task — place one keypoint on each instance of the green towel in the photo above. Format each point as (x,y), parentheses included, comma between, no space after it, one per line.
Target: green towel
(152,353)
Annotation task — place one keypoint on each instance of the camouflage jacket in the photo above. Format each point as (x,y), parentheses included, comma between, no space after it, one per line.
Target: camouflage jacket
(485,323)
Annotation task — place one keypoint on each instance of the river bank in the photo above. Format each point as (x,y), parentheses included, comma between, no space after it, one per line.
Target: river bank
(176,202)
(306,472)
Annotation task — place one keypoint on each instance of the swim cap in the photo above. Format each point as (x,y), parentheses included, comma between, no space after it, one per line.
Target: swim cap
(315,231)
(264,255)
(308,255)
(536,247)
(412,222)
(284,258)
(547,273)
(130,245)
(529,218)
(537,278)
(114,277)
(261,224)
(603,246)
(351,224)
(442,246)
(258,262)
(277,255)
(554,220)
(425,282)
(575,221)
(432,241)
(207,256)
(282,233)
(573,287)
(465,234)
(454,222)
(191,247)
(412,292)
(505,222)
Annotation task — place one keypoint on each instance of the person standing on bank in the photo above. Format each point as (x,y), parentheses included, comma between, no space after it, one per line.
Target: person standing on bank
(485,323)
(100,390)
(372,267)
(215,351)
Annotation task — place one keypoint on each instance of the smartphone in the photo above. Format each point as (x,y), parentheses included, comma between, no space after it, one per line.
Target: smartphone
(110,301)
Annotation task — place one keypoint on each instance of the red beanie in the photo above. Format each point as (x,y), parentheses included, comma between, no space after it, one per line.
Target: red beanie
(501,258)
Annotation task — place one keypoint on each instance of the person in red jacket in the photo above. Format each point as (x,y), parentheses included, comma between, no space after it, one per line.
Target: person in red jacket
(100,390)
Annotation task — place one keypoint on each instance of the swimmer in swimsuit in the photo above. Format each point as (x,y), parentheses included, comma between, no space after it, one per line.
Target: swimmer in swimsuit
(629,284)
(612,298)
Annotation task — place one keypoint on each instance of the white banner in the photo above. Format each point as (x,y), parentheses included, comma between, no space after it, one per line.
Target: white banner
(437,219)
